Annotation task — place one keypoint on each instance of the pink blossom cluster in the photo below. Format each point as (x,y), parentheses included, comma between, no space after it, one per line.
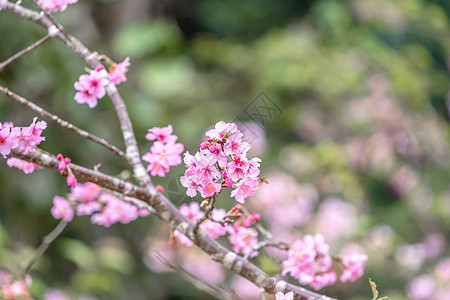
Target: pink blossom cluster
(243,239)
(105,208)
(24,139)
(210,226)
(92,87)
(164,153)
(56,5)
(221,161)
(434,286)
(26,167)
(309,262)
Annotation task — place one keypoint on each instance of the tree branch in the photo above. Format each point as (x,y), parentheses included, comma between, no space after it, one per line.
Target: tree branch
(23,52)
(63,123)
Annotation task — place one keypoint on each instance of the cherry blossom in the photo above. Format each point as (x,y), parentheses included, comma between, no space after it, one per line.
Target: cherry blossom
(26,167)
(221,159)
(56,5)
(90,87)
(215,229)
(309,262)
(62,209)
(243,239)
(8,140)
(164,153)
(354,267)
(282,296)
(117,71)
(245,188)
(162,134)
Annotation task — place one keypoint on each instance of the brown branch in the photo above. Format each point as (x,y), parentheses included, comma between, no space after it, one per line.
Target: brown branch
(23,52)
(63,123)
(166,211)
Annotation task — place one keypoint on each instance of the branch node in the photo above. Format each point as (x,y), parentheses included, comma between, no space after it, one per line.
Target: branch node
(53,31)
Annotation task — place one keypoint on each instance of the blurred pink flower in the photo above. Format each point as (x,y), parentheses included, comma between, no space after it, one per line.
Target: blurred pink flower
(421,288)
(26,167)
(117,72)
(62,209)
(282,296)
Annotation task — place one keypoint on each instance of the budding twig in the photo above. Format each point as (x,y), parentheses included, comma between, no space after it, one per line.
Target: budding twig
(23,52)
(63,123)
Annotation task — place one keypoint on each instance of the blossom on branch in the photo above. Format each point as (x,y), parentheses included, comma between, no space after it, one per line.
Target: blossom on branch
(56,5)
(90,87)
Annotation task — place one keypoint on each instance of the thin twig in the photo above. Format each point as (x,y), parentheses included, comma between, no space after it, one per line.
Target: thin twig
(208,211)
(23,52)
(267,243)
(46,242)
(199,283)
(62,122)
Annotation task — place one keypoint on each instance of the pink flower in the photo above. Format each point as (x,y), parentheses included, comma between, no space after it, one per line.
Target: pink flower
(8,140)
(287,296)
(191,183)
(162,134)
(31,136)
(91,87)
(421,288)
(26,167)
(221,130)
(210,189)
(215,229)
(308,261)
(191,211)
(354,267)
(71,180)
(86,192)
(61,209)
(245,188)
(117,72)
(15,290)
(54,294)
(56,5)
(115,210)
(162,156)
(243,240)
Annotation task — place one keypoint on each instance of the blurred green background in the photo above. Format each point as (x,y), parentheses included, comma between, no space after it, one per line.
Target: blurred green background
(351,96)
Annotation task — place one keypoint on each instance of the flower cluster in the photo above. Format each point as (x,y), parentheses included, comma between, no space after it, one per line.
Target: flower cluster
(211,226)
(309,262)
(56,5)
(24,139)
(105,208)
(241,236)
(26,167)
(164,153)
(221,161)
(92,87)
